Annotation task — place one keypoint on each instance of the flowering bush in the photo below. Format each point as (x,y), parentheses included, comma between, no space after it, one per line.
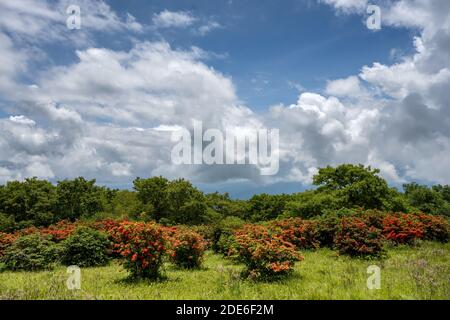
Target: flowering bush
(327,227)
(264,252)
(107,225)
(373,217)
(142,245)
(6,239)
(207,232)
(186,247)
(435,228)
(299,232)
(56,232)
(355,238)
(403,228)
(59,231)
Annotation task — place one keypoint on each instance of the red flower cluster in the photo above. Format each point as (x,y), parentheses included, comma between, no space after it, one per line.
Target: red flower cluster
(299,232)
(107,225)
(402,228)
(142,245)
(355,238)
(59,231)
(435,228)
(264,252)
(6,239)
(186,247)
(56,232)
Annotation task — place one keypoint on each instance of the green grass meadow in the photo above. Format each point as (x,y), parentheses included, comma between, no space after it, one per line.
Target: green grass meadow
(420,272)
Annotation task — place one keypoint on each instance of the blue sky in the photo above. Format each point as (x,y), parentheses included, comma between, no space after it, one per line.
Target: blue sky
(101,101)
(269,48)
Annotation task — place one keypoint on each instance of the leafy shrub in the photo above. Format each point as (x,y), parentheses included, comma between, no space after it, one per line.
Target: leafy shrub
(264,253)
(373,218)
(186,247)
(435,228)
(226,243)
(403,228)
(32,252)
(6,239)
(7,223)
(85,248)
(327,227)
(355,238)
(299,232)
(223,234)
(142,245)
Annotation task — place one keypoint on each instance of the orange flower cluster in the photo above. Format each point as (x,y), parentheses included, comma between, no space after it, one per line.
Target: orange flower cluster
(107,225)
(263,251)
(6,239)
(299,232)
(142,245)
(186,247)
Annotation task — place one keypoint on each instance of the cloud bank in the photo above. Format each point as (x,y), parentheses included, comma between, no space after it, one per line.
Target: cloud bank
(109,114)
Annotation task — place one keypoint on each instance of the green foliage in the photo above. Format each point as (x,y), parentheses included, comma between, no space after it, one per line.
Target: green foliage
(125,203)
(263,207)
(224,206)
(171,202)
(7,223)
(152,193)
(223,234)
(30,253)
(310,203)
(35,202)
(355,186)
(187,203)
(31,200)
(86,247)
(435,200)
(77,198)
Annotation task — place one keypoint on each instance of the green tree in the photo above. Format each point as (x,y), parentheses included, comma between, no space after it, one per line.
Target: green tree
(264,206)
(78,197)
(429,200)
(152,193)
(355,185)
(187,203)
(32,201)
(311,203)
(225,206)
(125,203)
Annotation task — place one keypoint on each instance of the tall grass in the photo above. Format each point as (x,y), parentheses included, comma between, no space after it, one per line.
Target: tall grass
(421,272)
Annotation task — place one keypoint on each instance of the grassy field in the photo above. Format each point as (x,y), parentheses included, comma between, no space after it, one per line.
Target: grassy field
(421,272)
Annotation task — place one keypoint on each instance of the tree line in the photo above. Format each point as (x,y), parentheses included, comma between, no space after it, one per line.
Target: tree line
(35,202)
